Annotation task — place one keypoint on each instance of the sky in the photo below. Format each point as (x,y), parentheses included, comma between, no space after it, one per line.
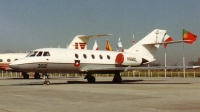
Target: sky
(31,24)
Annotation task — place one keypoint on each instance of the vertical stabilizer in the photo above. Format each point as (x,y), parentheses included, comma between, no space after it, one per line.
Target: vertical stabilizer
(78,43)
(147,51)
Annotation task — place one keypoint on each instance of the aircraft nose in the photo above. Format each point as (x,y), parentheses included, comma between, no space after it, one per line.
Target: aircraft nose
(14,66)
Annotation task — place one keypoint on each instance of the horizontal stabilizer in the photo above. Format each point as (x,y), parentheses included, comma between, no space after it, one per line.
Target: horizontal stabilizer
(93,36)
(169,42)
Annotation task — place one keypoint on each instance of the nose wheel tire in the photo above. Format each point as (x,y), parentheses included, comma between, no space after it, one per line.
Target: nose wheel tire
(46,83)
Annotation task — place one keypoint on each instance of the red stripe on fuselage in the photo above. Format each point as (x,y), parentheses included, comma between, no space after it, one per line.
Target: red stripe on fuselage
(4,66)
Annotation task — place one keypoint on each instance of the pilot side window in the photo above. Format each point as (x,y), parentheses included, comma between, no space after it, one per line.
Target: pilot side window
(33,53)
(40,53)
(46,53)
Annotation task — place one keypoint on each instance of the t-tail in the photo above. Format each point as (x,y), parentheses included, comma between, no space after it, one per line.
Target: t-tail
(147,47)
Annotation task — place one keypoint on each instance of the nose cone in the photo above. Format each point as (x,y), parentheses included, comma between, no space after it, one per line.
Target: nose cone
(14,65)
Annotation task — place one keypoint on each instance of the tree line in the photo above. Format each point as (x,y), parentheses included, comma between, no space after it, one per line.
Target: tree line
(194,63)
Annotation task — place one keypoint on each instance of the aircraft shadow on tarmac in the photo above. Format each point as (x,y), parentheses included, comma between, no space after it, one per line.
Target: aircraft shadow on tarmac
(31,78)
(140,81)
(99,82)
(83,82)
(126,82)
(103,82)
(71,82)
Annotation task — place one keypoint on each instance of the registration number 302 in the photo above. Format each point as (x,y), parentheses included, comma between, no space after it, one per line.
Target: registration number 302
(42,65)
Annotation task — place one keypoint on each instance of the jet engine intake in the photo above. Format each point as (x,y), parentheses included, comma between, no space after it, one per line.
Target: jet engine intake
(128,59)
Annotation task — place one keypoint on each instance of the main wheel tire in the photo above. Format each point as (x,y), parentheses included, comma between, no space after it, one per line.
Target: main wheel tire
(37,76)
(117,80)
(26,76)
(91,79)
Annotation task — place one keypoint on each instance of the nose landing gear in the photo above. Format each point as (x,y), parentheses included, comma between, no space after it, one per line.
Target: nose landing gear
(46,81)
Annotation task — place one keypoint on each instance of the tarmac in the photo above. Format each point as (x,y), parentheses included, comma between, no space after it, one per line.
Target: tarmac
(76,95)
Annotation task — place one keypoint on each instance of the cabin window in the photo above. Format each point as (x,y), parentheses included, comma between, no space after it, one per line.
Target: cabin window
(108,57)
(1,60)
(76,55)
(46,53)
(40,53)
(100,56)
(8,60)
(93,56)
(33,53)
(84,55)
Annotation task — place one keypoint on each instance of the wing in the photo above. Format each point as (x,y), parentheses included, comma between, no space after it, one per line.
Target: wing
(124,69)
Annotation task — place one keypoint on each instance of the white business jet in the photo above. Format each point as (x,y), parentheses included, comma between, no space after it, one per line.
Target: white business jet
(79,42)
(58,60)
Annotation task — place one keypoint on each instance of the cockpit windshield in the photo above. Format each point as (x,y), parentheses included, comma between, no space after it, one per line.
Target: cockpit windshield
(38,53)
(33,54)
(29,54)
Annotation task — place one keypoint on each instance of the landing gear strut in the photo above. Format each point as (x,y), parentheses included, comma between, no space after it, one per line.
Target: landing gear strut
(46,82)
(90,78)
(117,78)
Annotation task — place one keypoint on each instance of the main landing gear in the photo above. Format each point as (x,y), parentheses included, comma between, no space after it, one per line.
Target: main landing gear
(45,77)
(90,78)
(117,78)
(37,76)
(26,75)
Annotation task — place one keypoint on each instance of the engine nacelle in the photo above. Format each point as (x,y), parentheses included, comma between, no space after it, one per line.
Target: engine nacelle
(128,59)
